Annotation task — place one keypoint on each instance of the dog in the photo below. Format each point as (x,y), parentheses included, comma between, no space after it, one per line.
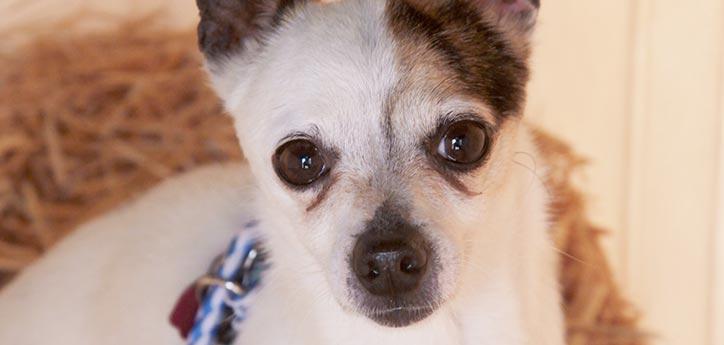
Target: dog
(393,179)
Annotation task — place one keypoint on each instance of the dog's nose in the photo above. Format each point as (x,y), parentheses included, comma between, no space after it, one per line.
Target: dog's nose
(392,266)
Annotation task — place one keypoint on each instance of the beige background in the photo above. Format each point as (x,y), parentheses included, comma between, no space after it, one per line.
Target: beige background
(638,87)
(635,85)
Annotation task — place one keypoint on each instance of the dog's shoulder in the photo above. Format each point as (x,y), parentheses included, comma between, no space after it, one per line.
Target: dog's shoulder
(121,273)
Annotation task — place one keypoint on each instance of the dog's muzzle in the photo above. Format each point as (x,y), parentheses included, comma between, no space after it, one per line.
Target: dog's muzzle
(394,267)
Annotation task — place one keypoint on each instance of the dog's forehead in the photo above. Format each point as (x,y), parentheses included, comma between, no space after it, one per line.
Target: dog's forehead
(357,72)
(329,69)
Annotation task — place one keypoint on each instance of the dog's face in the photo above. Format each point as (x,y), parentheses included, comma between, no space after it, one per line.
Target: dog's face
(380,131)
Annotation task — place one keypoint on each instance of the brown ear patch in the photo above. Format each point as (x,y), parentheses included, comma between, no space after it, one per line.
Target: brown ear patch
(226,24)
(481,59)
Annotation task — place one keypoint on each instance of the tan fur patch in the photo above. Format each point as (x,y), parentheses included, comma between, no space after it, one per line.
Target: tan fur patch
(455,49)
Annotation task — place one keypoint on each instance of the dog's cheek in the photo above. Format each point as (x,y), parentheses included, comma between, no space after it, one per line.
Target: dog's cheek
(339,273)
(444,217)
(335,236)
(450,251)
(492,178)
(328,227)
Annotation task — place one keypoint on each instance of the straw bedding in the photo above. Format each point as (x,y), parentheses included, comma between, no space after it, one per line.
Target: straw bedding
(89,121)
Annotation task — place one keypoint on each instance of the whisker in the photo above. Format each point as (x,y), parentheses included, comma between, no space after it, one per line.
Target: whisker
(571,256)
(533,171)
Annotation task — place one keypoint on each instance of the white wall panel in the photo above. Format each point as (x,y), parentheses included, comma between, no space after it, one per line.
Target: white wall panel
(672,166)
(636,86)
(580,92)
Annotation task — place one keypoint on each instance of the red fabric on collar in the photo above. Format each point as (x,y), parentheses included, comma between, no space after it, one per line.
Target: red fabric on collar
(184,313)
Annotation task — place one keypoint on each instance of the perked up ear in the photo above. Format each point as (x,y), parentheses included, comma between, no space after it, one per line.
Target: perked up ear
(227,26)
(517,15)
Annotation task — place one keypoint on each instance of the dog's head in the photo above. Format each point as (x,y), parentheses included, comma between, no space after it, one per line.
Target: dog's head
(381,132)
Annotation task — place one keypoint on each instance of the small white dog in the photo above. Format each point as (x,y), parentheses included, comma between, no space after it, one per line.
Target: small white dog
(384,146)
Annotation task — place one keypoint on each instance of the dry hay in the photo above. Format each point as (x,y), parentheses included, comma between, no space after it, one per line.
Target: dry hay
(89,121)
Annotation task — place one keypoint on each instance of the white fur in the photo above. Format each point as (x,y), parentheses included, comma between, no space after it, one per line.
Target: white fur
(327,72)
(114,280)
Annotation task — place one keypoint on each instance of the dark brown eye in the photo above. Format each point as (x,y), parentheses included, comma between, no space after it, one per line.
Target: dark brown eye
(299,162)
(463,142)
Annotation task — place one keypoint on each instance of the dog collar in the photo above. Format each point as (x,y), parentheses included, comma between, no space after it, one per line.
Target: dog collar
(211,310)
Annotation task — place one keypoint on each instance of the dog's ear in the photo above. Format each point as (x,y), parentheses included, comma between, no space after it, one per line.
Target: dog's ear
(515,15)
(228,26)
(232,30)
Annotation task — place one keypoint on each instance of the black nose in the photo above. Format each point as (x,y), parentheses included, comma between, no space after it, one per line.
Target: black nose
(390,266)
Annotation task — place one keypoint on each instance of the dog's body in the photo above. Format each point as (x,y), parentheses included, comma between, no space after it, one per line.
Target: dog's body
(384,140)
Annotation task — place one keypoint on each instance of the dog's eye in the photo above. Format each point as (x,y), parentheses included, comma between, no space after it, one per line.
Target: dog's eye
(463,142)
(299,162)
